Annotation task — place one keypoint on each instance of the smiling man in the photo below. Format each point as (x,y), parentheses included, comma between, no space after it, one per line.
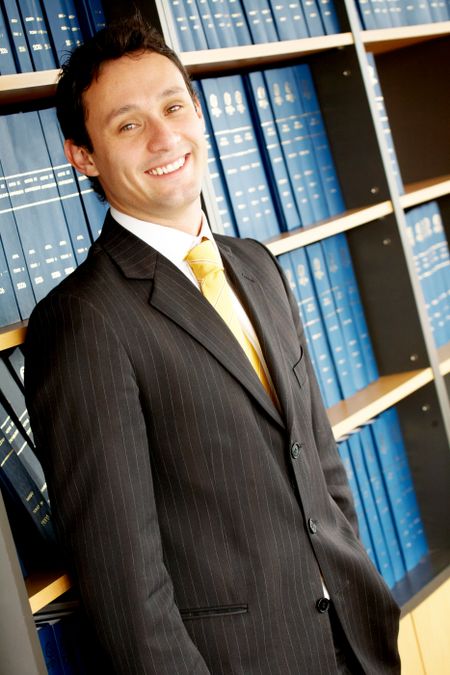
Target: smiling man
(194,478)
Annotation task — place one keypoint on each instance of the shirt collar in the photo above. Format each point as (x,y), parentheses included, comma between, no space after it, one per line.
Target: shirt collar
(172,243)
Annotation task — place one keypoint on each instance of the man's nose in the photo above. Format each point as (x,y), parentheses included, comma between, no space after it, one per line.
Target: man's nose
(161,135)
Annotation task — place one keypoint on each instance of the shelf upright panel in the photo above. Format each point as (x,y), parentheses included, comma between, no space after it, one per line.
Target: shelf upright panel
(432,354)
(19,644)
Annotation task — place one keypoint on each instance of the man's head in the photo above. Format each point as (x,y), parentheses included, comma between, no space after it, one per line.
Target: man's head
(130,116)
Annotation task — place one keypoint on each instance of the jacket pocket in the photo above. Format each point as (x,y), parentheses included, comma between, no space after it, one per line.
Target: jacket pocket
(207,612)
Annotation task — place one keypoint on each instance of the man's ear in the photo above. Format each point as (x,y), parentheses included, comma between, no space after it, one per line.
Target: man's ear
(80,158)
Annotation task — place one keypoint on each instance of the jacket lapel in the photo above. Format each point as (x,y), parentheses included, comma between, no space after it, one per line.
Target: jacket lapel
(175,297)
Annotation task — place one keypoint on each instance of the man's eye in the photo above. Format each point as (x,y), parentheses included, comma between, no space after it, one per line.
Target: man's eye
(175,108)
(128,127)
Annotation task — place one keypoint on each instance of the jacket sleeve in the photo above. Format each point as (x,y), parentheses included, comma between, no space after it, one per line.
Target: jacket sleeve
(91,435)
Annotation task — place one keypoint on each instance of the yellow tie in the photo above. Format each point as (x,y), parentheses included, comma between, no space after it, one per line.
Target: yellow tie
(207,266)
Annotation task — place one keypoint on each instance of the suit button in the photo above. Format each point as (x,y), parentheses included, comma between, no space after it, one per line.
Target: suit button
(295,450)
(322,605)
(312,524)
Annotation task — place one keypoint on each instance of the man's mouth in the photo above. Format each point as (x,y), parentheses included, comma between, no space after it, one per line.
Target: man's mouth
(168,168)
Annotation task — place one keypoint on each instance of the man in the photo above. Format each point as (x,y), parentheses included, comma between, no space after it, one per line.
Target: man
(193,474)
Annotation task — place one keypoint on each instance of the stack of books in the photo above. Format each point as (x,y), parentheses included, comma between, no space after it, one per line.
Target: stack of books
(391,13)
(211,24)
(323,281)
(39,34)
(432,261)
(390,526)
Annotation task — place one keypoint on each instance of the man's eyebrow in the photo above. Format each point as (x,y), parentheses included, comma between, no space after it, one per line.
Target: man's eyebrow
(131,106)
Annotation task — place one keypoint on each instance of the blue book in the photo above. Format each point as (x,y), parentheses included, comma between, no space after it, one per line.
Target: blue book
(94,207)
(442,268)
(194,24)
(396,12)
(185,36)
(36,202)
(313,18)
(64,27)
(399,487)
(91,16)
(434,291)
(366,15)
(418,12)
(321,146)
(7,62)
(26,491)
(219,186)
(18,39)
(15,258)
(275,165)
(381,14)
(67,185)
(364,532)
(330,318)
(49,649)
(303,287)
(329,16)
(373,520)
(220,13)
(297,150)
(382,503)
(349,329)
(384,119)
(9,310)
(439,10)
(13,398)
(260,20)
(240,157)
(208,23)
(355,302)
(239,22)
(289,19)
(37,35)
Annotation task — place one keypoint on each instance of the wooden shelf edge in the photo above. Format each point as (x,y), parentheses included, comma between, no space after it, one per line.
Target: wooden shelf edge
(424,191)
(13,335)
(231,57)
(388,39)
(380,395)
(289,241)
(44,587)
(28,86)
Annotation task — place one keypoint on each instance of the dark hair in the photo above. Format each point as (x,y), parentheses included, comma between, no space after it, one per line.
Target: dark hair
(119,38)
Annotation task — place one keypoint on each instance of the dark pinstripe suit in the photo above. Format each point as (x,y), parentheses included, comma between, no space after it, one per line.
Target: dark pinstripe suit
(178,491)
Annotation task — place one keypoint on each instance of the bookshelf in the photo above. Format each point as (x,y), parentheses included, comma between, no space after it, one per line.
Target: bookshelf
(413,373)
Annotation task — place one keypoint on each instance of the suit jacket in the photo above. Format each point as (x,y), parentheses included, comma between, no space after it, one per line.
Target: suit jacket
(198,517)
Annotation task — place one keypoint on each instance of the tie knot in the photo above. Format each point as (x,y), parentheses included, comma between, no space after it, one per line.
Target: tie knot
(203,259)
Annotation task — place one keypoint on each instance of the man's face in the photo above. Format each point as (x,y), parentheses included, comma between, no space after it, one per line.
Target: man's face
(147,134)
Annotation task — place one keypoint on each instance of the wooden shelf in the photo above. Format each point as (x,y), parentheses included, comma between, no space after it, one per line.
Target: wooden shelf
(28,86)
(444,359)
(425,191)
(374,399)
(289,241)
(389,39)
(11,336)
(44,587)
(229,58)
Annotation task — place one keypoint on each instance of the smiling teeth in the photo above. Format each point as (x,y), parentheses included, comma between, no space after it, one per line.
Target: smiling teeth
(169,168)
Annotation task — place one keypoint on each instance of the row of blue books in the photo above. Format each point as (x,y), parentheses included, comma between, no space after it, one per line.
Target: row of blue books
(390,525)
(211,24)
(270,159)
(68,644)
(39,34)
(391,13)
(22,481)
(323,281)
(49,215)
(432,262)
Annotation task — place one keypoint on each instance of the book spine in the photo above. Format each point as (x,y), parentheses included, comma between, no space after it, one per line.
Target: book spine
(329,17)
(313,18)
(289,19)
(18,39)
(9,310)
(260,21)
(7,62)
(37,35)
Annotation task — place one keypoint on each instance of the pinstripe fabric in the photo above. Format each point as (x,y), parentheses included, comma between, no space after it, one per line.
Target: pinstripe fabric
(175,493)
